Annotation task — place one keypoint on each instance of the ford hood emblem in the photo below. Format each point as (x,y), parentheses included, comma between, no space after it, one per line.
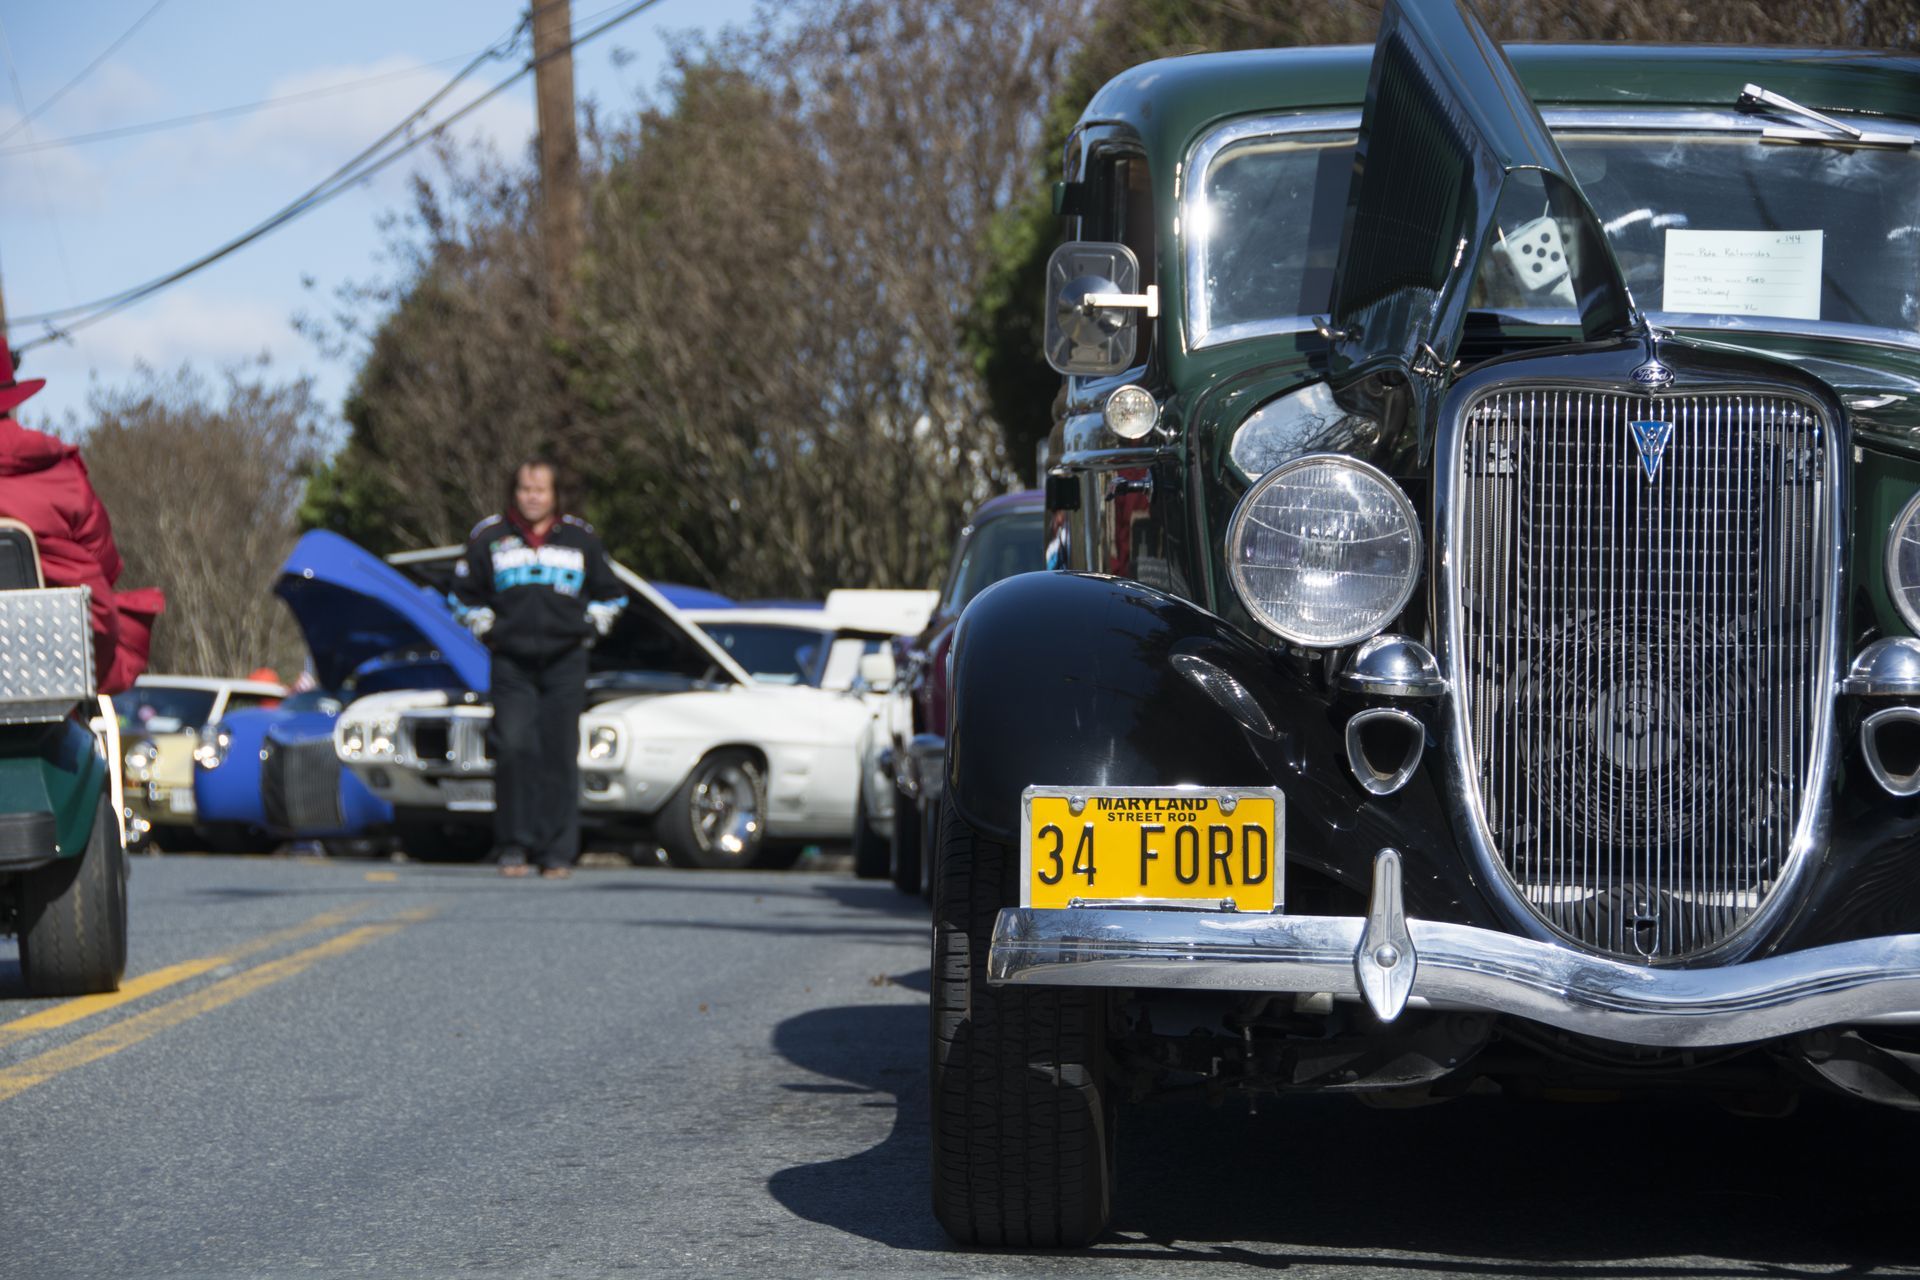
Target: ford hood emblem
(1652,374)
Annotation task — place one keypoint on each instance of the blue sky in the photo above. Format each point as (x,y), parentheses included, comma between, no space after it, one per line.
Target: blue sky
(85,220)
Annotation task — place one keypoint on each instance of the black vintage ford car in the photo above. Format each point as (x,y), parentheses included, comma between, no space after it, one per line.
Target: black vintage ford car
(1516,459)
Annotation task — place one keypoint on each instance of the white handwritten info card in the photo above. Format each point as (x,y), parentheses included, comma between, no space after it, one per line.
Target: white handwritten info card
(1744,273)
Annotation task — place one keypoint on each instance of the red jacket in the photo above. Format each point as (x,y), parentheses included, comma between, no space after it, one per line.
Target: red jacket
(44,485)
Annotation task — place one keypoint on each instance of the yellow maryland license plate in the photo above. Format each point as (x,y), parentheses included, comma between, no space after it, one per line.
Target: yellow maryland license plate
(1171,846)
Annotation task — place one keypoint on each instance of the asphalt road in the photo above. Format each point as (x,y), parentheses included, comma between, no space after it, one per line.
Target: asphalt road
(354,1068)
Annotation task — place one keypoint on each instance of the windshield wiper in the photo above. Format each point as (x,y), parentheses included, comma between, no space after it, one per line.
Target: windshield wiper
(1754,98)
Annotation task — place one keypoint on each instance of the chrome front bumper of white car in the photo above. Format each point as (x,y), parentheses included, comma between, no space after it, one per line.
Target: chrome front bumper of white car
(1392,961)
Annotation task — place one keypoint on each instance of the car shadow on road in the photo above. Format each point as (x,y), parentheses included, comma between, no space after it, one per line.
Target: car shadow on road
(1480,1186)
(880,1193)
(879,897)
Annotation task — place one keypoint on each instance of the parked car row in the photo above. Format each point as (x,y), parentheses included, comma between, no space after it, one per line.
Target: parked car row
(729,737)
(732,736)
(160,722)
(1004,536)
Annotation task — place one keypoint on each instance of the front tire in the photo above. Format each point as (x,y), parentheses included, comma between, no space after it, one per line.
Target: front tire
(234,837)
(872,852)
(436,842)
(1023,1119)
(73,917)
(717,820)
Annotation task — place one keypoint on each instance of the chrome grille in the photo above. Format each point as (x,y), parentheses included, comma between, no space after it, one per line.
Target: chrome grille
(300,786)
(1641,660)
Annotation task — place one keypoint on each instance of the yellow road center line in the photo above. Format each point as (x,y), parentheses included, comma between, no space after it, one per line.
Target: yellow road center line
(68,1012)
(141,1026)
(382,877)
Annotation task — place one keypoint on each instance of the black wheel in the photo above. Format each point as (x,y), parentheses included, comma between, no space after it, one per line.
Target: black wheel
(779,857)
(1022,1116)
(903,850)
(173,840)
(433,842)
(717,819)
(232,837)
(73,917)
(929,848)
(872,852)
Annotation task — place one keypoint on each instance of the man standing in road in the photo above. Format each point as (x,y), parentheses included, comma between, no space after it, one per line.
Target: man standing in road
(535,586)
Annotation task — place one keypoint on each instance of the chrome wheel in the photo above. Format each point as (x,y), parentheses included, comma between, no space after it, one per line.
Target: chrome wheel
(717,819)
(725,808)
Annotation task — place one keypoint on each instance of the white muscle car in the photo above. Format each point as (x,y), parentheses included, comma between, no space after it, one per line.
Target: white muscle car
(731,747)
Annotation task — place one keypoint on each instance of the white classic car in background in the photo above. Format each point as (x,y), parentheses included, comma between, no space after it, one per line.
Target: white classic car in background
(724,763)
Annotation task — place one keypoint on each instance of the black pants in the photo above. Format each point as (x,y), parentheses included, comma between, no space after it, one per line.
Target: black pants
(536,748)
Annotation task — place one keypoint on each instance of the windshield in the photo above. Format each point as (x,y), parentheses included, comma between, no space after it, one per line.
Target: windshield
(312,700)
(1710,224)
(772,653)
(158,709)
(1264,223)
(998,549)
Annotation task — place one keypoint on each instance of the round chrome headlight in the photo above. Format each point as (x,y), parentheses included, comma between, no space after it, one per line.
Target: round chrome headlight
(140,758)
(1324,550)
(353,739)
(1903,563)
(380,737)
(210,752)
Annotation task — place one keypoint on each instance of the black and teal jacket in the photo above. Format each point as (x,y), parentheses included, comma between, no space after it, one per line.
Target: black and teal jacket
(538,586)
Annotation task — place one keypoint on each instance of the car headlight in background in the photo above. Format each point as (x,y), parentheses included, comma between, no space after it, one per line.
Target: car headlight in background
(602,742)
(210,752)
(1903,563)
(140,759)
(1324,550)
(380,737)
(353,739)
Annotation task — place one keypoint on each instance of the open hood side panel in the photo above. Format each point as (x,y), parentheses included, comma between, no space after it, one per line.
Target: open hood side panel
(652,635)
(351,607)
(1446,122)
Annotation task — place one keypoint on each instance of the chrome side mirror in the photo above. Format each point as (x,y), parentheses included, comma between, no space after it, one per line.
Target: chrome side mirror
(876,671)
(1093,290)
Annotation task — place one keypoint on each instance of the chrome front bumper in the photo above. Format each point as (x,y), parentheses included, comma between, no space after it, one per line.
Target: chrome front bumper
(1392,961)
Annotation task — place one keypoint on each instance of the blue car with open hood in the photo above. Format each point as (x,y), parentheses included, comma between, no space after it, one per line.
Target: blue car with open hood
(269,775)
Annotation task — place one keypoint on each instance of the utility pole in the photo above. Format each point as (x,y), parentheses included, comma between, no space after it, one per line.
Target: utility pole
(562,201)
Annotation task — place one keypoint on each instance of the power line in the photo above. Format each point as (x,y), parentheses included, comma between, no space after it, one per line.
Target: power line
(243,108)
(85,71)
(360,168)
(221,113)
(343,176)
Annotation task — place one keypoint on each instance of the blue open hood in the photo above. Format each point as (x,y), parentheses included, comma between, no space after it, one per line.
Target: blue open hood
(352,607)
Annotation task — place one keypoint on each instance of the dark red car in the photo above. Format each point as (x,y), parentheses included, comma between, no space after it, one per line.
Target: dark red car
(1005,536)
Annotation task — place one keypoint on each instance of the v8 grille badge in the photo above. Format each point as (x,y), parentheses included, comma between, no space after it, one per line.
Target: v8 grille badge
(1651,438)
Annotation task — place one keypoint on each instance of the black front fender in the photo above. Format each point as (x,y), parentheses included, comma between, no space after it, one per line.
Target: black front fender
(1063,679)
(1071,679)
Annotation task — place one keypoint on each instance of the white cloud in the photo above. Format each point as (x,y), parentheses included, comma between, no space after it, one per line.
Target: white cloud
(186,325)
(305,140)
(112,95)
(53,180)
